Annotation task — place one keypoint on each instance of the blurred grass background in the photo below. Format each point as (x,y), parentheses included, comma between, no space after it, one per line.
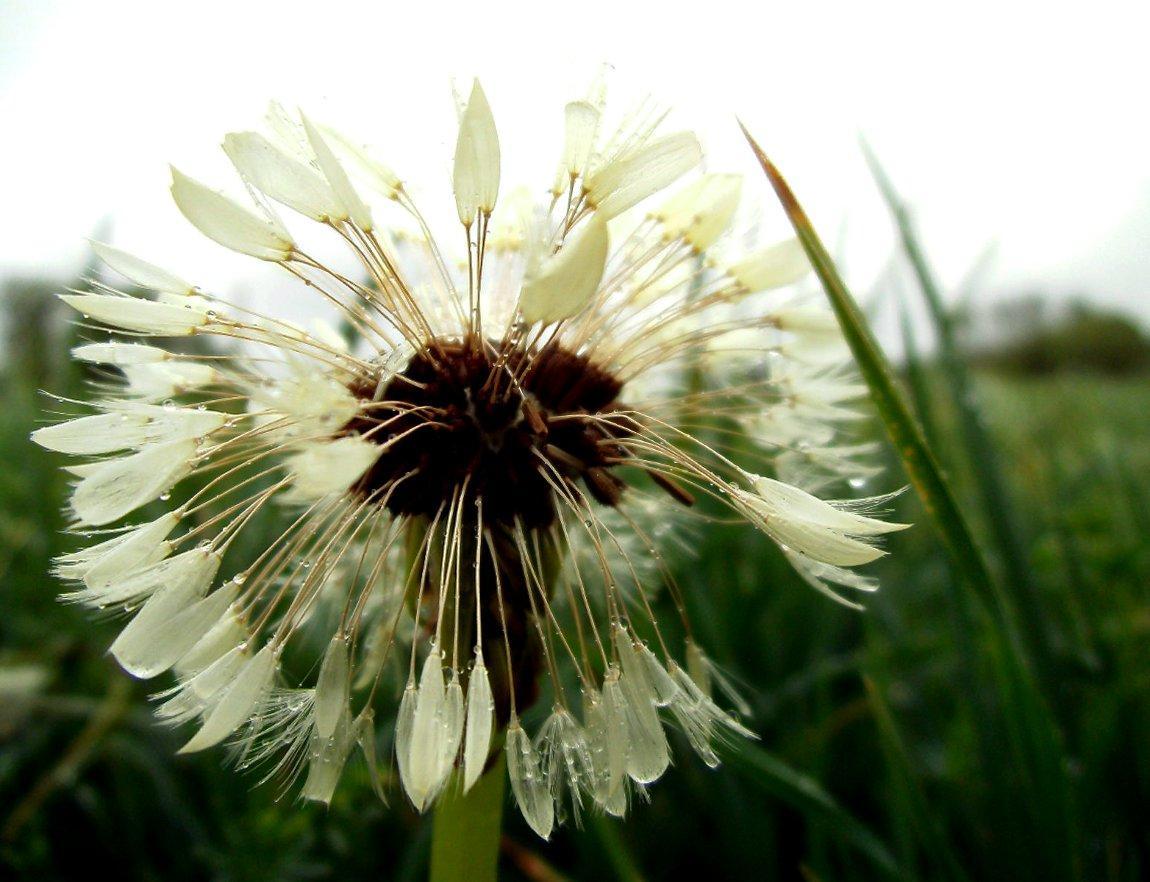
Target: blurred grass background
(896,744)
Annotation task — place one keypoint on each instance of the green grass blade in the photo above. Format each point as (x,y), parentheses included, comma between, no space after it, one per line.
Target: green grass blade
(904,431)
(917,379)
(803,793)
(1033,738)
(619,856)
(981,453)
(934,843)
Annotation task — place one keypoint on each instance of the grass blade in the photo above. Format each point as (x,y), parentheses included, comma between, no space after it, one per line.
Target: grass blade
(981,453)
(626,870)
(935,845)
(1033,738)
(918,380)
(904,431)
(771,774)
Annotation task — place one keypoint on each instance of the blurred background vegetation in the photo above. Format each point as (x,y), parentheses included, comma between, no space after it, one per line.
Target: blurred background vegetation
(896,743)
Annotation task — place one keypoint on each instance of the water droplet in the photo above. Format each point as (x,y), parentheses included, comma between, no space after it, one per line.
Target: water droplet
(165,496)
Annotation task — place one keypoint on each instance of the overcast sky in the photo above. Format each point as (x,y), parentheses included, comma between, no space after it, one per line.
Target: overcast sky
(1022,125)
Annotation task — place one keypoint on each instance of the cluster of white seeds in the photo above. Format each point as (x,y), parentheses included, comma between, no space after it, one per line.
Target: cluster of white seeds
(692,334)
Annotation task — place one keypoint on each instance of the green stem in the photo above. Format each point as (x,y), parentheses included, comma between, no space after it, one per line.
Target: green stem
(466,829)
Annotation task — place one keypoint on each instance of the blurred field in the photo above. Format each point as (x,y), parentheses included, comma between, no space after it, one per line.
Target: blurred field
(892,746)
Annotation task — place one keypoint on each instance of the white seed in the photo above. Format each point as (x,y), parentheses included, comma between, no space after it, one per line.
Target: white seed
(582,119)
(476,177)
(119,353)
(99,565)
(226,634)
(480,722)
(452,720)
(532,794)
(636,174)
(281,177)
(327,467)
(426,768)
(354,206)
(332,687)
(137,314)
(227,222)
(701,212)
(129,426)
(567,281)
(327,755)
(140,272)
(783,263)
(167,626)
(404,726)
(122,485)
(647,752)
(235,705)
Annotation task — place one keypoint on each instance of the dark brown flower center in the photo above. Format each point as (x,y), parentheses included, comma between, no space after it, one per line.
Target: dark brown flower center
(501,425)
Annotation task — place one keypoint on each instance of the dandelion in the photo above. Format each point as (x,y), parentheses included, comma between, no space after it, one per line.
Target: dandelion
(473,480)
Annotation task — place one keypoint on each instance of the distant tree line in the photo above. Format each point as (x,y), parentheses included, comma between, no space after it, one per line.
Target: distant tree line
(1033,335)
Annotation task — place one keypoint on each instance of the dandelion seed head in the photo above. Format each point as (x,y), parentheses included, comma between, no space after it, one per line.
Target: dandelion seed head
(472,477)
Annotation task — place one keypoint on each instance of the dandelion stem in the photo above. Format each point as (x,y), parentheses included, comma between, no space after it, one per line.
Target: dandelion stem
(466,829)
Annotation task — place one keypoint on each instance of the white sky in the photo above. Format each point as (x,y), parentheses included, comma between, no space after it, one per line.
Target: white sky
(1020,124)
